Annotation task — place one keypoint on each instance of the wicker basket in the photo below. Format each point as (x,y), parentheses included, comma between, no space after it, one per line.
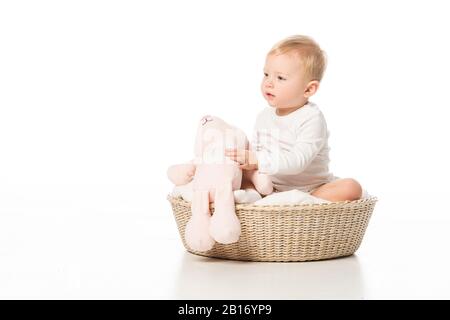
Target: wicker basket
(289,232)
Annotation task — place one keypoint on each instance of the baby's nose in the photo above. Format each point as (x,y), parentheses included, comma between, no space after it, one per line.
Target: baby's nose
(268,83)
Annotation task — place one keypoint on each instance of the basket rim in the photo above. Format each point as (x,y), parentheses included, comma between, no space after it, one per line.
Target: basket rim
(271,207)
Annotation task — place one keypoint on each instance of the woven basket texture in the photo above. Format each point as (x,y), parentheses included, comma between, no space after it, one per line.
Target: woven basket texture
(285,233)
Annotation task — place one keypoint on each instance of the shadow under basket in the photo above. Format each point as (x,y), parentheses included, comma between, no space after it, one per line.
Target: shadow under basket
(284,233)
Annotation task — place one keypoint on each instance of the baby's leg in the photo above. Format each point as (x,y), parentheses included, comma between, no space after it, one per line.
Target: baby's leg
(247,193)
(339,190)
(246,183)
(262,182)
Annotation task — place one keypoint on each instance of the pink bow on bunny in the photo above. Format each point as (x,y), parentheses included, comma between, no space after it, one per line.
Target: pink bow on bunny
(214,178)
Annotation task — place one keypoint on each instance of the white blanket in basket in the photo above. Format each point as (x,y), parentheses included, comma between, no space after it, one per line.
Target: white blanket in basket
(294,197)
(252,196)
(289,197)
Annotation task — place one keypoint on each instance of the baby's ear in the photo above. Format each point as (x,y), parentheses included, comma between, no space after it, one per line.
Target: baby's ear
(311,88)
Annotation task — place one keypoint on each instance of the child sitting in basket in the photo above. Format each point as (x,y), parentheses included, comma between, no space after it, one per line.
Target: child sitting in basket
(290,141)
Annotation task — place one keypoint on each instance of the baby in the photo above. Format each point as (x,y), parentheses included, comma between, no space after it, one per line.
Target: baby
(290,140)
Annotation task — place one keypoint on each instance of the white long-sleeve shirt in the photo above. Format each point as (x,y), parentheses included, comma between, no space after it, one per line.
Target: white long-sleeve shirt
(293,149)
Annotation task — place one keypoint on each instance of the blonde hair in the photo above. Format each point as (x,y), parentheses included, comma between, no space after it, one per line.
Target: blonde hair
(312,57)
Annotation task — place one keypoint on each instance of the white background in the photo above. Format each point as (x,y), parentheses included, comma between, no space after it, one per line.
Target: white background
(98,98)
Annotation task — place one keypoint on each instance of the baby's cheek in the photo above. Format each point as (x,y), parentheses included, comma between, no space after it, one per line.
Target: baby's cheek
(262,90)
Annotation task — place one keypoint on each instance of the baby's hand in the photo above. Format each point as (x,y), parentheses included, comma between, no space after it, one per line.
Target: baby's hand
(246,158)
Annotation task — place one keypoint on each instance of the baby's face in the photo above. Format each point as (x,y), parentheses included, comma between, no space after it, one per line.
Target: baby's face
(284,83)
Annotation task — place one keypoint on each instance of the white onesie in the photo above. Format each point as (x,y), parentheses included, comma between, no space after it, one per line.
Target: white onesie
(293,149)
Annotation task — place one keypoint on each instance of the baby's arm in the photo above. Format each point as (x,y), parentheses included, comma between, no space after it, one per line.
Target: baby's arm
(311,136)
(246,158)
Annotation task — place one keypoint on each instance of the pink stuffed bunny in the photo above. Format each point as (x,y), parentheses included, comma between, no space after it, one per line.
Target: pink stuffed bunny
(214,178)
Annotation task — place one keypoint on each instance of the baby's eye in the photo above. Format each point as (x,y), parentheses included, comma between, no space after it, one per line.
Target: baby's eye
(265,74)
(281,78)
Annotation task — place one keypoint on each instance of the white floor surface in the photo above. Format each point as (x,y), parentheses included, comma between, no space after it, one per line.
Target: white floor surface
(106,242)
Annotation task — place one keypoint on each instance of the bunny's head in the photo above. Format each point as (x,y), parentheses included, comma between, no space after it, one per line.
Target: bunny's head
(215,135)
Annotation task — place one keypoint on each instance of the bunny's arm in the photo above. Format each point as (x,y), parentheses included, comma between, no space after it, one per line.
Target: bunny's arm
(181,174)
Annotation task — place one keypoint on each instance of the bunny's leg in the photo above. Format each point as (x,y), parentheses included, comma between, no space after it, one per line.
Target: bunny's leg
(225,226)
(197,229)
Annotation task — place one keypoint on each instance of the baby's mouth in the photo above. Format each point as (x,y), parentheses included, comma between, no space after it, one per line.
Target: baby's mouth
(269,95)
